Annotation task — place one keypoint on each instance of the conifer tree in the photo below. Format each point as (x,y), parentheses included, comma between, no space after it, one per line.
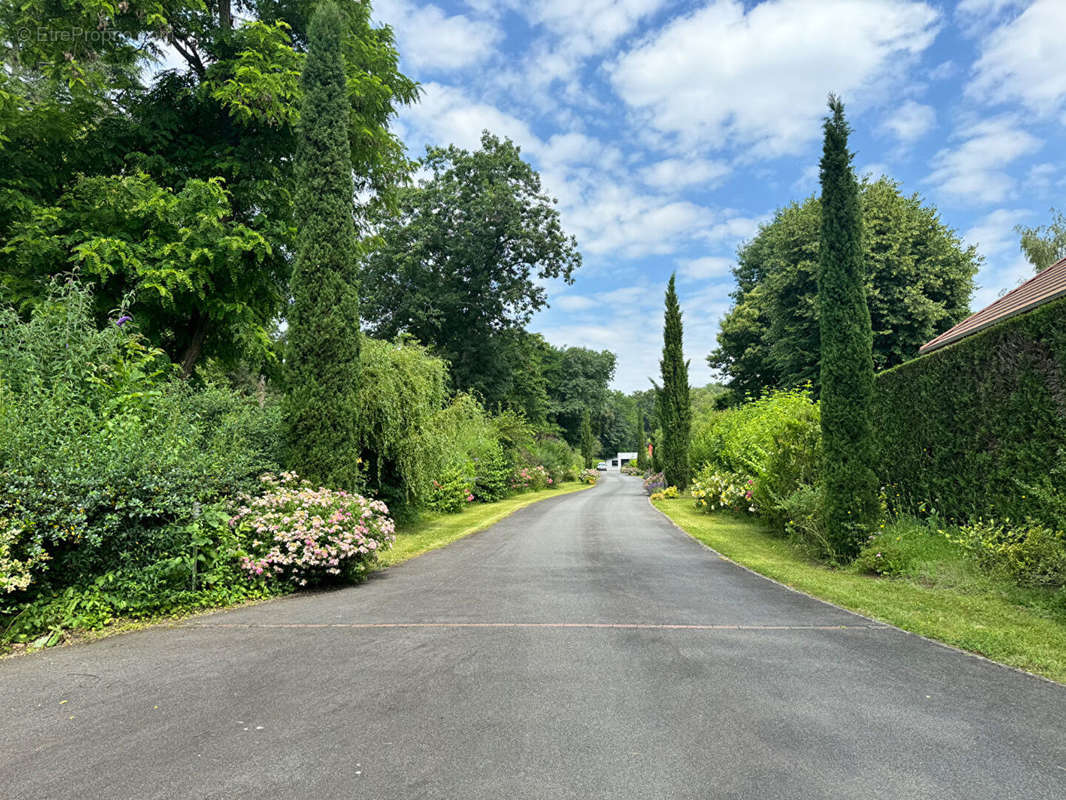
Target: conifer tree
(323,334)
(849,481)
(675,412)
(587,443)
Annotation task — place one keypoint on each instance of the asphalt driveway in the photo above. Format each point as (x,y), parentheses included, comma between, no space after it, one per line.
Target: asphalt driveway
(581,648)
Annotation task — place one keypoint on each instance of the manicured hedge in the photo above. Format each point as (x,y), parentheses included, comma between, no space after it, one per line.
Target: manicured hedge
(979,427)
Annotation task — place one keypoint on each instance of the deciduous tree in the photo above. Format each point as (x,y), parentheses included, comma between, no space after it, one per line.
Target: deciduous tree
(918,280)
(458,266)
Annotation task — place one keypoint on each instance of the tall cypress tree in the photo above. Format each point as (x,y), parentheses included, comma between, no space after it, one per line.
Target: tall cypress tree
(675,412)
(323,335)
(587,443)
(850,484)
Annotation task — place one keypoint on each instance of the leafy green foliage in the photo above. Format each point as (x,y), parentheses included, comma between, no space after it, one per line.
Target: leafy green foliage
(1046,244)
(457,267)
(180,259)
(918,279)
(187,181)
(847,373)
(105,457)
(675,411)
(995,444)
(587,443)
(322,400)
(1028,553)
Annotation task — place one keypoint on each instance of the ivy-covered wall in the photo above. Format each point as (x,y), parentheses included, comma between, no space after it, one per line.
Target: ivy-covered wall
(978,428)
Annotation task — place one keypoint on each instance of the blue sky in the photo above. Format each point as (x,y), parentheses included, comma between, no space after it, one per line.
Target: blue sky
(669,130)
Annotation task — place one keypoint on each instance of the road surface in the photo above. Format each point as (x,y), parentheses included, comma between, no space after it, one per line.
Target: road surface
(581,648)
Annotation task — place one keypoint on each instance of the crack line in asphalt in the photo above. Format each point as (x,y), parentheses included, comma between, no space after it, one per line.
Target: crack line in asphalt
(623,625)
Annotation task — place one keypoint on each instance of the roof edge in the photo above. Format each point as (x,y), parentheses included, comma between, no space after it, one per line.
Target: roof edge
(933,346)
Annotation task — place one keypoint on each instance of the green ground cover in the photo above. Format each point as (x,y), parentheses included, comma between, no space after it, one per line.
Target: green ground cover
(939,593)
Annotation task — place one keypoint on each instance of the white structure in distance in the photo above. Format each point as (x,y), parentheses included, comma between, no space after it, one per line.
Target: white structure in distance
(615,464)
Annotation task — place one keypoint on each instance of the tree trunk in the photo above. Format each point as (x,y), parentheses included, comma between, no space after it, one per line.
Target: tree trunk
(225,15)
(194,348)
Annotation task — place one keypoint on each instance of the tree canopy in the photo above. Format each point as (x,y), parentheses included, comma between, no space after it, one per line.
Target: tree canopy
(458,266)
(1045,244)
(175,188)
(919,278)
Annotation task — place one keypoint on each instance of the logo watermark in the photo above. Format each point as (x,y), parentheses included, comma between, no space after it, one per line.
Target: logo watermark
(80,35)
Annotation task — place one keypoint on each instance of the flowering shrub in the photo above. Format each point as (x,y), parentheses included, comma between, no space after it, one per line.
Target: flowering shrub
(631,468)
(654,482)
(712,490)
(295,533)
(17,568)
(669,493)
(534,478)
(589,476)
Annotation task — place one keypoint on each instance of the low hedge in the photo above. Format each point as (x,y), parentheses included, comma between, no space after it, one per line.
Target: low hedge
(978,428)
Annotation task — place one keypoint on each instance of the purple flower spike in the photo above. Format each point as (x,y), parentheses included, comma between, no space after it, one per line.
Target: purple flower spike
(123,320)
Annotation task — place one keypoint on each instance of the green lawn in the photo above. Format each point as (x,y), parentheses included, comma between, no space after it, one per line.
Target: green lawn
(983,616)
(431,531)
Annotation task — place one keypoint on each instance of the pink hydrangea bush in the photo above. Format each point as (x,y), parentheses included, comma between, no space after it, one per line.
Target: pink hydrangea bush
(536,478)
(295,533)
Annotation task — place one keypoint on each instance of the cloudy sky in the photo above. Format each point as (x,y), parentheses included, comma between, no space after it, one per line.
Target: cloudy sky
(669,130)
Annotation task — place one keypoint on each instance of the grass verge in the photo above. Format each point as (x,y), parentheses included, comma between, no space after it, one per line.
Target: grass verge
(431,531)
(982,616)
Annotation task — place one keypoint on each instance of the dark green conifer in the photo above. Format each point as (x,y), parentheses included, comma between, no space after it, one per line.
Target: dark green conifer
(323,334)
(847,373)
(675,412)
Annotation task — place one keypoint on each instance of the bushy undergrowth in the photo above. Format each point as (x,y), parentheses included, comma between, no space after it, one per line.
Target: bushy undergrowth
(104,453)
(763,458)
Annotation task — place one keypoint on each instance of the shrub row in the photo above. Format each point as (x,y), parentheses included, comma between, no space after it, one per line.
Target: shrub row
(978,428)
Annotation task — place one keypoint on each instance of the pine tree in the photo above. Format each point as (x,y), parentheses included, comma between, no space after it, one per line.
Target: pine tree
(587,443)
(675,412)
(850,484)
(323,334)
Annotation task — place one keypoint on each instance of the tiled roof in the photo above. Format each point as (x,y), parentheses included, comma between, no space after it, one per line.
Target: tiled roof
(1048,285)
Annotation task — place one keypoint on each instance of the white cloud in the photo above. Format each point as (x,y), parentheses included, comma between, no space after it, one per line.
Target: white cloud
(429,38)
(993,234)
(1022,60)
(587,27)
(732,229)
(701,269)
(447,115)
(679,173)
(574,302)
(1041,177)
(974,16)
(911,121)
(722,75)
(974,169)
(995,280)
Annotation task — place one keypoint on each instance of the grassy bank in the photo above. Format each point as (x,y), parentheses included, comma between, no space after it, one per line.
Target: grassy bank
(944,599)
(431,531)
